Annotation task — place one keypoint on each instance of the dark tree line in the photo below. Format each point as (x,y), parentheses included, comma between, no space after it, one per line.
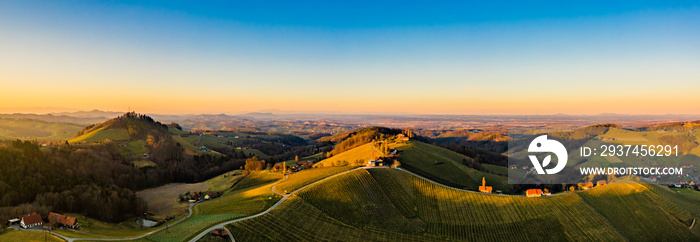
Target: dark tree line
(93,179)
(63,179)
(478,155)
(362,137)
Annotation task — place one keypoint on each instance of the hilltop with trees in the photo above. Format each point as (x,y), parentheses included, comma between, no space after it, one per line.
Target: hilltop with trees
(98,177)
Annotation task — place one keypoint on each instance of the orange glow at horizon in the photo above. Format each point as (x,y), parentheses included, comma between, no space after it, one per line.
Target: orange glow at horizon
(211,100)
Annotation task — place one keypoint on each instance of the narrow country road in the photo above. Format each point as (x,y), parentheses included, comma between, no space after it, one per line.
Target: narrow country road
(221,225)
(284,197)
(69,239)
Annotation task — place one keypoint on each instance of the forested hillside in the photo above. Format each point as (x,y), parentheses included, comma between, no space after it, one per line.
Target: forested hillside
(98,178)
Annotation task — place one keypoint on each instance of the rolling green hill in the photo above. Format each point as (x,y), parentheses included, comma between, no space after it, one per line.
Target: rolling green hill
(133,130)
(363,153)
(445,166)
(101,134)
(437,163)
(130,126)
(391,205)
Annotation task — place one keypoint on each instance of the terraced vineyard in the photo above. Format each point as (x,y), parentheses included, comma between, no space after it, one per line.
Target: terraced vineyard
(445,166)
(641,214)
(308,176)
(387,204)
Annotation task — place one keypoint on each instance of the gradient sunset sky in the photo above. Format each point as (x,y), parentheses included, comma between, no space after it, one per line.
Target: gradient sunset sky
(433,57)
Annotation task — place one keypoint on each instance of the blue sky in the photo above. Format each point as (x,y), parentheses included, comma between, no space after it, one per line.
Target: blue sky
(578,57)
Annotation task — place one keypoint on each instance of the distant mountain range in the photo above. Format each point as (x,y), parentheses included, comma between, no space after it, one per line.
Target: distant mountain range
(423,121)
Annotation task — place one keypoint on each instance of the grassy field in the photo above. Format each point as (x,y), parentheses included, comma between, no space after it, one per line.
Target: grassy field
(135,149)
(102,134)
(190,149)
(163,200)
(176,131)
(11,235)
(33,129)
(224,181)
(308,176)
(390,205)
(250,196)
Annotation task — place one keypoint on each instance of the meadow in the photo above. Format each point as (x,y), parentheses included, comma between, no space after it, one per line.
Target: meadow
(11,235)
(251,195)
(102,134)
(163,200)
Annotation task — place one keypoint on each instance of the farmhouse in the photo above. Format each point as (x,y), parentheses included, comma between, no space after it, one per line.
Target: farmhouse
(278,167)
(377,162)
(403,137)
(601,182)
(30,220)
(220,232)
(63,220)
(533,193)
(300,165)
(483,187)
(587,185)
